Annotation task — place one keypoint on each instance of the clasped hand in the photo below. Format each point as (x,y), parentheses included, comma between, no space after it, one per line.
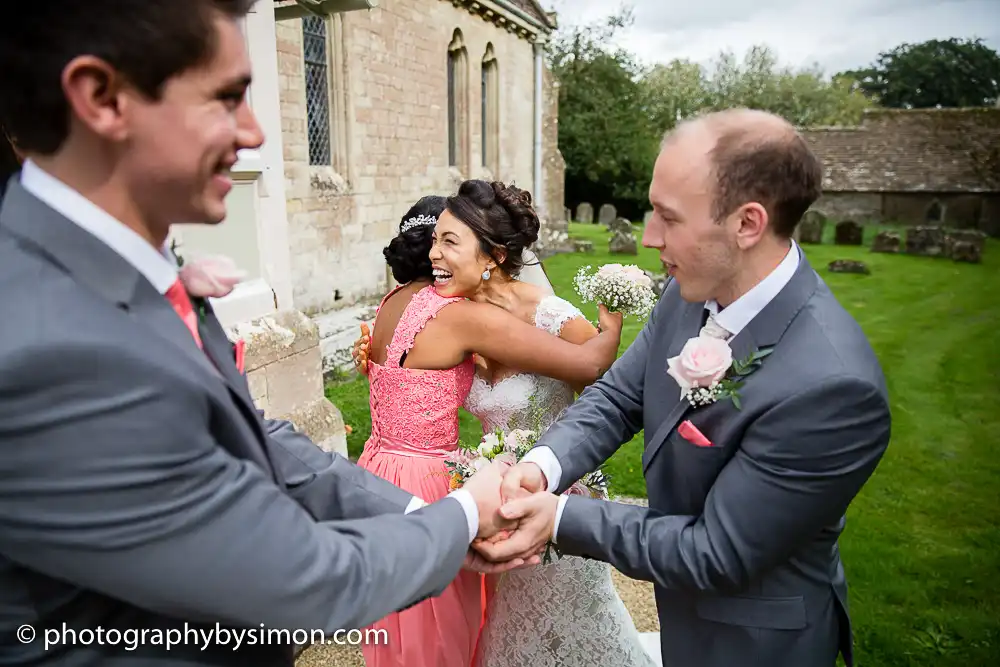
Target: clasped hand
(516,517)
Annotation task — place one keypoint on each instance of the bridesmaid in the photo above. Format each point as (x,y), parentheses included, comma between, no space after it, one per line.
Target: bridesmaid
(418,383)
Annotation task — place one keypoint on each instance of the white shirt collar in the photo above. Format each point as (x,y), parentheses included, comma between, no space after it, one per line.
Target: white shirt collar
(157,266)
(738,314)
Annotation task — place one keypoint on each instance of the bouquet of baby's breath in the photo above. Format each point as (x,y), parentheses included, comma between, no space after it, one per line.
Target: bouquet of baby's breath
(623,289)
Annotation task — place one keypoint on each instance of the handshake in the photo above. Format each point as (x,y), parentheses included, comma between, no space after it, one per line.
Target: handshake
(516,517)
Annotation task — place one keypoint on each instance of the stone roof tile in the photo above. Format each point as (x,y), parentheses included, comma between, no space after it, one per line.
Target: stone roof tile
(532,8)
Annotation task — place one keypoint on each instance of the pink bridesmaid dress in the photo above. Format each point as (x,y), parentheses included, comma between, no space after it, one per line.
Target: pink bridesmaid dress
(414,426)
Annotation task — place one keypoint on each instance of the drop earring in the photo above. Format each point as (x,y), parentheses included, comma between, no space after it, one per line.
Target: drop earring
(486,274)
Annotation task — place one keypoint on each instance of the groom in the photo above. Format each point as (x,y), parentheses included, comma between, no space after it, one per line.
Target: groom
(142,494)
(747,494)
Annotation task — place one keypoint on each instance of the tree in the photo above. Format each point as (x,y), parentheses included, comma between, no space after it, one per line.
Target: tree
(604,135)
(613,111)
(935,73)
(682,89)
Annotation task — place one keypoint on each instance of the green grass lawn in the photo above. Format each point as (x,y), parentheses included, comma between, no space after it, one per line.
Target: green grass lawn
(922,547)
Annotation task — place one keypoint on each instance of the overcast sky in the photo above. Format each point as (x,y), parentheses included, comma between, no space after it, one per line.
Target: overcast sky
(838,35)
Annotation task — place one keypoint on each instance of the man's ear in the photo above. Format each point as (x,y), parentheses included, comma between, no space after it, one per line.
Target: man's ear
(753,222)
(95,93)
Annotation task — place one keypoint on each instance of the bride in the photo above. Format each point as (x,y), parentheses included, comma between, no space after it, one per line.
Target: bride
(567,612)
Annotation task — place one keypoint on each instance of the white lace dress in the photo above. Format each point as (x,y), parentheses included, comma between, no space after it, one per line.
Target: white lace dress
(566,613)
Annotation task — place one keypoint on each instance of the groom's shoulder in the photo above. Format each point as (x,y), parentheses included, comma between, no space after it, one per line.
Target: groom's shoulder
(832,340)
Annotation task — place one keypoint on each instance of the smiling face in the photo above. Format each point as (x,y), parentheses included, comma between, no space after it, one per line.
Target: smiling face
(181,147)
(457,258)
(701,254)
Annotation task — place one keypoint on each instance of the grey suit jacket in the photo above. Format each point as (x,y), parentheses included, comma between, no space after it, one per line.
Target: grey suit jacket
(141,490)
(740,538)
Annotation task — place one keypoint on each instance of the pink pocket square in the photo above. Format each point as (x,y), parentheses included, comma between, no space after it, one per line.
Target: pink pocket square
(239,350)
(690,432)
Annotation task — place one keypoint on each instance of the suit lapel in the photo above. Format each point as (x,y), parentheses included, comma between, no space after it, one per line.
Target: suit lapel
(690,325)
(106,273)
(764,330)
(152,310)
(219,350)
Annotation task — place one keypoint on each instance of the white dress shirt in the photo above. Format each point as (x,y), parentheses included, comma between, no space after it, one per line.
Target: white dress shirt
(158,266)
(733,319)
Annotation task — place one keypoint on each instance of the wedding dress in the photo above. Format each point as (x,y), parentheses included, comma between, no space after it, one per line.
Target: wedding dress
(566,613)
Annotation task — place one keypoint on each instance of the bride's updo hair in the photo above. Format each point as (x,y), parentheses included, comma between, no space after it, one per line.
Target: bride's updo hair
(407,254)
(502,218)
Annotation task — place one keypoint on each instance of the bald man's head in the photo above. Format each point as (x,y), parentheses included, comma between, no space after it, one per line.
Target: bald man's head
(753,156)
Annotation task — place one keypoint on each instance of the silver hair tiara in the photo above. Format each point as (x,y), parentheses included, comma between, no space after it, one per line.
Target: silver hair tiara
(410,223)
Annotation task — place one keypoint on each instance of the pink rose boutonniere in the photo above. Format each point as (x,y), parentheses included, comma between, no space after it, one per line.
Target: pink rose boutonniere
(706,372)
(210,277)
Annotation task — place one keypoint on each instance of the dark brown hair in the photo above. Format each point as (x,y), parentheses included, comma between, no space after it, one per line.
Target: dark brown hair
(408,254)
(779,172)
(148,41)
(502,218)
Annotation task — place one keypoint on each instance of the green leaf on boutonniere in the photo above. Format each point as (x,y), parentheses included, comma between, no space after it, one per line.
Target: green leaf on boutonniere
(200,306)
(744,367)
(730,386)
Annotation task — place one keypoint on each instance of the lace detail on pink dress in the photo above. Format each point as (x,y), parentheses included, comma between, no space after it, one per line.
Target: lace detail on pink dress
(414,426)
(414,411)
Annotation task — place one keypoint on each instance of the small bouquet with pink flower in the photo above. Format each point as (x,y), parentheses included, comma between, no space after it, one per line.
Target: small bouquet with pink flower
(509,448)
(623,289)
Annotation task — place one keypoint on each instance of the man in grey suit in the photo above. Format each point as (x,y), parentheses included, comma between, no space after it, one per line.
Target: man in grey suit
(144,500)
(747,497)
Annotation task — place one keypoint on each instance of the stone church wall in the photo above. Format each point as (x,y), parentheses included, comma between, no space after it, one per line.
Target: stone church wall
(389,71)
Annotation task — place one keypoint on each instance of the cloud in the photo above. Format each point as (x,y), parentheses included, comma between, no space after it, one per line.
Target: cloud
(836,36)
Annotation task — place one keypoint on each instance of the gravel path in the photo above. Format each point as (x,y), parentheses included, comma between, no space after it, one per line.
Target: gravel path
(637,596)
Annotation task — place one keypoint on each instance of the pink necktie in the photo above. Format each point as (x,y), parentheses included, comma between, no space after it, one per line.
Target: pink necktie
(179,299)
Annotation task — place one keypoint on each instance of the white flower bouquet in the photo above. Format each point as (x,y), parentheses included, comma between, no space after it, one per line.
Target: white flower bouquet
(623,289)
(509,448)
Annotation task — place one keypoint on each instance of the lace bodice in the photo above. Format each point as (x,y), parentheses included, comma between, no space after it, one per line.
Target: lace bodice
(416,411)
(567,612)
(524,400)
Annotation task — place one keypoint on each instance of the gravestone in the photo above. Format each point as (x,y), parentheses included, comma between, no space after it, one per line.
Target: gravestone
(647,217)
(620,225)
(622,243)
(890,242)
(849,266)
(811,227)
(964,245)
(966,251)
(849,232)
(567,214)
(659,281)
(925,241)
(585,213)
(934,215)
(580,245)
(607,214)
